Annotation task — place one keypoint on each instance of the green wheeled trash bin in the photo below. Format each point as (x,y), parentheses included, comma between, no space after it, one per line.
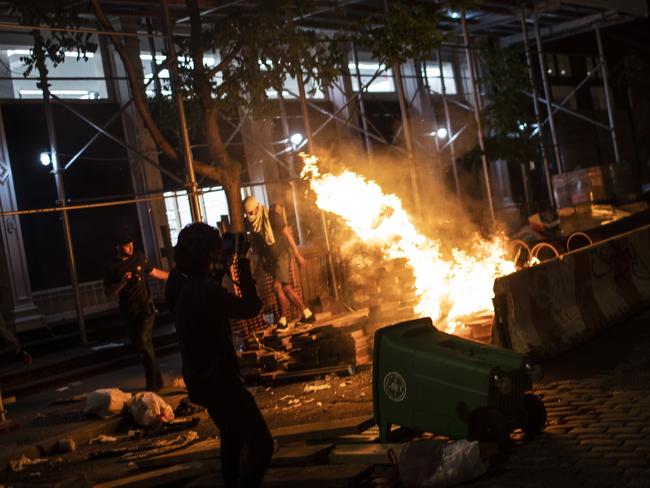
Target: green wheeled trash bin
(430,381)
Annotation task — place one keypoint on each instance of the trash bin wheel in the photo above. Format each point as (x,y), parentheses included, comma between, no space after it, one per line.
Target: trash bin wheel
(488,425)
(534,414)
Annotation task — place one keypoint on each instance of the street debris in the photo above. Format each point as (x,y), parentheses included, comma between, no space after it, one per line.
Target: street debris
(62,389)
(66,445)
(179,383)
(18,465)
(186,407)
(436,463)
(102,439)
(73,399)
(313,388)
(148,409)
(106,402)
(148,448)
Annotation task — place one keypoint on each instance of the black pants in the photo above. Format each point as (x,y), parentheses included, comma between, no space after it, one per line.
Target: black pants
(246,443)
(140,329)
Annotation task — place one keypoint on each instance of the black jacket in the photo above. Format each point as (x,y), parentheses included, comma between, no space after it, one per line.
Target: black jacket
(202,309)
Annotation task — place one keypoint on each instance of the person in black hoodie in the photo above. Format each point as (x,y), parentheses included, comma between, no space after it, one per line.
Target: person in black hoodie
(202,308)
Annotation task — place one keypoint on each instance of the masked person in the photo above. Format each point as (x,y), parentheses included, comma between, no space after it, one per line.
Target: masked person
(202,308)
(274,244)
(126,274)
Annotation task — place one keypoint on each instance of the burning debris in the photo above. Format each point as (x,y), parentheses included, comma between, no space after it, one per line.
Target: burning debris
(448,285)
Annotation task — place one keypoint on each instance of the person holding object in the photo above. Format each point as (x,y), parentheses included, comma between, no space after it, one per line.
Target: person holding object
(10,340)
(273,242)
(126,276)
(202,309)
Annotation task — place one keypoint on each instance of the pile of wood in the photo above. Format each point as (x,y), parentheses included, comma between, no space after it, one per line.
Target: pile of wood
(304,349)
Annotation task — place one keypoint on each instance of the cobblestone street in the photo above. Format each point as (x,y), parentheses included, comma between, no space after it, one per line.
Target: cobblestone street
(598,431)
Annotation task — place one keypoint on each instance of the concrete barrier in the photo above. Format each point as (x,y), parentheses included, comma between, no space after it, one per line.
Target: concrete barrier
(547,309)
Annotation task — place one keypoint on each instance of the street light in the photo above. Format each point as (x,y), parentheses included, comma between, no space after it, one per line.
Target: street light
(441,133)
(45,159)
(297,140)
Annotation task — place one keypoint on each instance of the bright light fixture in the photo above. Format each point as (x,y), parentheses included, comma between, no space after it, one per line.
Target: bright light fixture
(441,133)
(296,138)
(45,158)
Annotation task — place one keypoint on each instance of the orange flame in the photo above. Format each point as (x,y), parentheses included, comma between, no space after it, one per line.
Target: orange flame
(447,288)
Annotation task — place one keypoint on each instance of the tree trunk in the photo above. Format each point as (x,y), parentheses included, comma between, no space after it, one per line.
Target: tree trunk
(232,186)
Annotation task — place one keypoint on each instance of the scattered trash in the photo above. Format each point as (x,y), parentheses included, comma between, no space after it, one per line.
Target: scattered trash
(148,409)
(66,445)
(186,408)
(17,465)
(342,385)
(434,463)
(75,383)
(319,404)
(72,399)
(294,401)
(108,345)
(309,400)
(313,388)
(106,402)
(102,439)
(287,396)
(63,388)
(268,389)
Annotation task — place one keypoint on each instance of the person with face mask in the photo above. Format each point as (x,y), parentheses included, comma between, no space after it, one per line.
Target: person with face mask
(126,275)
(274,245)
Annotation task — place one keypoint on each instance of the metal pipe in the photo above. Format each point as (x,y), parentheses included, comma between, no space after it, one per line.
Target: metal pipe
(608,94)
(195,208)
(408,141)
(292,167)
(362,109)
(547,95)
(536,110)
(154,65)
(477,115)
(450,134)
(60,187)
(95,126)
(310,148)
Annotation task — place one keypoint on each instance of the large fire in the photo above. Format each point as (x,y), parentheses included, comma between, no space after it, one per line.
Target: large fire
(447,287)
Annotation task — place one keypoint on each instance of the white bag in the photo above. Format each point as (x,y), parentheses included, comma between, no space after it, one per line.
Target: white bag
(148,409)
(461,462)
(106,402)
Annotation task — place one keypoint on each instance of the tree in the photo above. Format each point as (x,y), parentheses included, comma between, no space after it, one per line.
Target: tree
(260,46)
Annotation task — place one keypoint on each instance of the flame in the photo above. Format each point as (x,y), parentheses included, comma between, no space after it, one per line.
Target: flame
(447,287)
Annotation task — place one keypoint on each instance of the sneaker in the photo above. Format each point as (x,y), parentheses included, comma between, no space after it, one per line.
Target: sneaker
(307,320)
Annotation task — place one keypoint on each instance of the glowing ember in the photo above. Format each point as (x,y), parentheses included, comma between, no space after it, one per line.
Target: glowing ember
(447,287)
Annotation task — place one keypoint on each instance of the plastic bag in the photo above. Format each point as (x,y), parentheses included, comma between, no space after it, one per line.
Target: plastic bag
(148,409)
(431,463)
(461,462)
(106,402)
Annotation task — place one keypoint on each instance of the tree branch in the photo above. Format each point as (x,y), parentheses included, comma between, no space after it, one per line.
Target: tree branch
(139,97)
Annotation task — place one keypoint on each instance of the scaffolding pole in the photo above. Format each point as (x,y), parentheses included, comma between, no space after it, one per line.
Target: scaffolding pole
(192,187)
(477,114)
(608,94)
(537,111)
(310,148)
(60,187)
(408,137)
(450,133)
(362,109)
(548,98)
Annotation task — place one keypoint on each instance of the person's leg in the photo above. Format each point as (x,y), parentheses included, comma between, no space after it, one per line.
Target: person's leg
(258,441)
(141,331)
(293,296)
(283,302)
(230,449)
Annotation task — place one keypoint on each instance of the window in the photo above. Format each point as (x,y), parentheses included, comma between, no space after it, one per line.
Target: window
(382,83)
(560,92)
(291,90)
(213,205)
(592,66)
(598,100)
(88,82)
(433,77)
(563,65)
